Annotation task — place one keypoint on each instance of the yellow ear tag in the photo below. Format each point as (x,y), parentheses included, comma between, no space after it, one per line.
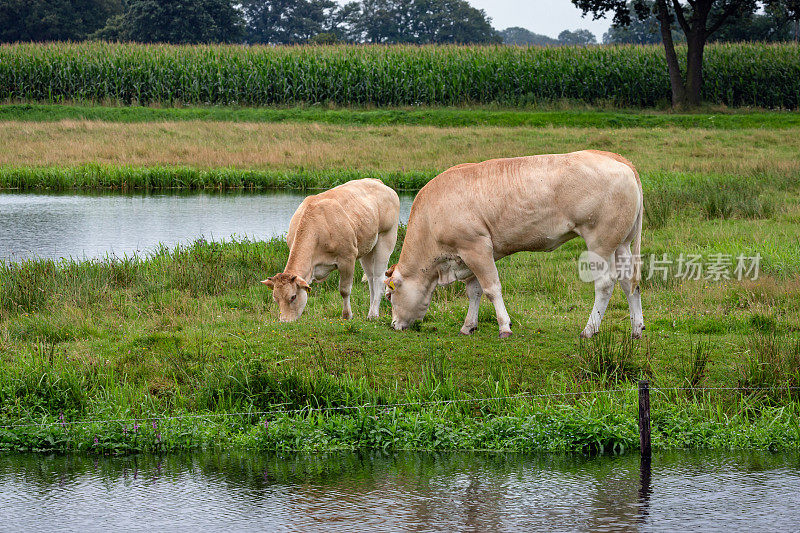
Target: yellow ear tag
(391,284)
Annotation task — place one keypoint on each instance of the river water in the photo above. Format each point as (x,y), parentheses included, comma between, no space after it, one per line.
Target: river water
(86,226)
(406,491)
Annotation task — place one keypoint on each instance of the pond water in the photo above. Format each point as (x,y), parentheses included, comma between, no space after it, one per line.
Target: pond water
(402,491)
(91,226)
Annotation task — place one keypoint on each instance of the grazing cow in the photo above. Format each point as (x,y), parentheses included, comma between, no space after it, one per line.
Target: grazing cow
(330,230)
(471,215)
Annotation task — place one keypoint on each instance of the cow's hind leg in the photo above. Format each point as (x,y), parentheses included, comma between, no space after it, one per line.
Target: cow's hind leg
(625,261)
(604,279)
(369,267)
(479,259)
(375,264)
(474,293)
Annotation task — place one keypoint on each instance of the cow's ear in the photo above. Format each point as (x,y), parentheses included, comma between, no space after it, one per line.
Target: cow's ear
(302,283)
(393,279)
(391,270)
(269,283)
(294,277)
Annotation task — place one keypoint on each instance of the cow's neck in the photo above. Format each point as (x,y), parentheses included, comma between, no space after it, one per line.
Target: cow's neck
(301,256)
(420,261)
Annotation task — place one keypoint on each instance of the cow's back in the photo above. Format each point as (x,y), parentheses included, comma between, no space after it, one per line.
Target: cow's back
(367,202)
(355,212)
(523,203)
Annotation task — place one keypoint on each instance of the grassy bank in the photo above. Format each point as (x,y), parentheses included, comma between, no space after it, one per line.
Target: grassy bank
(573,116)
(127,178)
(758,75)
(191,333)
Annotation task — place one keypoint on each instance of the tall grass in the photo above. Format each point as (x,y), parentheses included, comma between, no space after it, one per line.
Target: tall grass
(713,196)
(202,268)
(735,74)
(771,366)
(123,177)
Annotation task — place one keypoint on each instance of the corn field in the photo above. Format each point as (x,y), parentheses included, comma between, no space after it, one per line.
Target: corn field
(762,75)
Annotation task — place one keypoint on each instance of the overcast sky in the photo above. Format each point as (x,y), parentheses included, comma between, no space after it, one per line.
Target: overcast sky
(548,17)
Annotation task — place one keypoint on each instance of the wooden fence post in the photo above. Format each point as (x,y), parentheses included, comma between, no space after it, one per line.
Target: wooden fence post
(644,418)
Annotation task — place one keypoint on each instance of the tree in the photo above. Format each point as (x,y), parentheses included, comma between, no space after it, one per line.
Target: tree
(288,21)
(177,22)
(455,21)
(381,21)
(520,36)
(54,20)
(577,38)
(770,26)
(789,9)
(420,22)
(697,19)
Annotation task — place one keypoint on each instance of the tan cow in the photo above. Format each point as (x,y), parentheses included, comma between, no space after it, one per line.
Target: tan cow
(330,230)
(471,215)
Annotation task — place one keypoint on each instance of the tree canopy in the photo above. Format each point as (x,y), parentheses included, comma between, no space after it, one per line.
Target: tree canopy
(415,21)
(773,24)
(287,21)
(577,37)
(177,22)
(520,36)
(54,20)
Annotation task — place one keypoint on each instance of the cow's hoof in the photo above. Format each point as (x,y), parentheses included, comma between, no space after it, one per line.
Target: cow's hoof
(636,335)
(505,334)
(372,316)
(468,331)
(587,334)
(347,315)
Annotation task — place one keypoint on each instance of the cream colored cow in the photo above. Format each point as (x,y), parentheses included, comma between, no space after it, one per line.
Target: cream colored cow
(330,230)
(471,215)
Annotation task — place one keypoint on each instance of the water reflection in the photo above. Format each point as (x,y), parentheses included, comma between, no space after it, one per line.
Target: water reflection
(94,225)
(645,472)
(403,491)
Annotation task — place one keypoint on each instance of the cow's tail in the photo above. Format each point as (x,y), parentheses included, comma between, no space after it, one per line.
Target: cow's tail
(636,244)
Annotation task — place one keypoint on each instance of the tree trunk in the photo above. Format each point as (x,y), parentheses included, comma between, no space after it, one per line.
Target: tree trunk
(675,79)
(696,43)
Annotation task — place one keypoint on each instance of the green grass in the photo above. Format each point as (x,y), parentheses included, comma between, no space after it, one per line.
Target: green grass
(190,331)
(760,75)
(439,117)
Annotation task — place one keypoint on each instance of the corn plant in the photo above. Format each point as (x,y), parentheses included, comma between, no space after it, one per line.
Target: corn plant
(764,75)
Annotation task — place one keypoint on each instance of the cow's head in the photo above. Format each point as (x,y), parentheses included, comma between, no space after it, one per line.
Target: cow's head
(410,299)
(290,292)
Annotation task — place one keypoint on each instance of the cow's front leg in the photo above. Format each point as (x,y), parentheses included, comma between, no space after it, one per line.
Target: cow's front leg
(346,286)
(474,293)
(480,260)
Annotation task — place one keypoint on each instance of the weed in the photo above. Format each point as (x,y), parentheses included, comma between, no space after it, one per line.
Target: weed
(610,357)
(770,366)
(694,366)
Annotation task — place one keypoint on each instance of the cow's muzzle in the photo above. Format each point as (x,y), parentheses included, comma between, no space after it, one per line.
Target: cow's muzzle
(399,326)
